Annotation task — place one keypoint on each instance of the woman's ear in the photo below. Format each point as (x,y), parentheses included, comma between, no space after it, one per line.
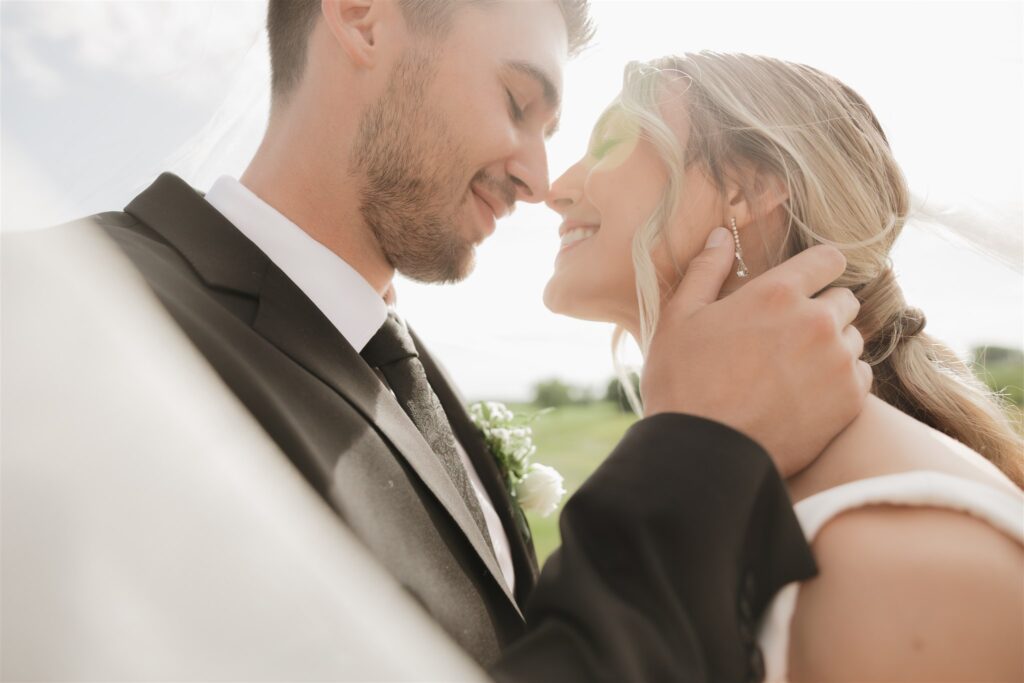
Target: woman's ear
(353,24)
(751,193)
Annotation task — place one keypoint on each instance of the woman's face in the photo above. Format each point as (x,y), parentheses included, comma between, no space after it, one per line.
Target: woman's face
(604,199)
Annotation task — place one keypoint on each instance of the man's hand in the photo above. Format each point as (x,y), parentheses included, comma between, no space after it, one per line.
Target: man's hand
(772,360)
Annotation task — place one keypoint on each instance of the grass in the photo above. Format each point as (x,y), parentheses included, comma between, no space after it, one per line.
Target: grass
(574,440)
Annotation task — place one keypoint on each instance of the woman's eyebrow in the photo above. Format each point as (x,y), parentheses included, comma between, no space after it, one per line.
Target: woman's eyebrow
(601,127)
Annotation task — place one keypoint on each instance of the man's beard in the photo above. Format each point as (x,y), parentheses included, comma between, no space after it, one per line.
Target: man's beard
(413,170)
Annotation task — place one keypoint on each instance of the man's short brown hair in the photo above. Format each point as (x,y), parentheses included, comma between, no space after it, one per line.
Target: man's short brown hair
(290,22)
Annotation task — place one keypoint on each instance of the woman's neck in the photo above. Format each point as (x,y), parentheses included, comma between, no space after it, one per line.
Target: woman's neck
(884,440)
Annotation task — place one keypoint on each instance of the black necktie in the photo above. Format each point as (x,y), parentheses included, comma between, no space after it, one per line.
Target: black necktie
(392,352)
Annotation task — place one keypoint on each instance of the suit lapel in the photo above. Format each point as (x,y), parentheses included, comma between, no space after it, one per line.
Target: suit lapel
(524,558)
(223,256)
(290,321)
(286,317)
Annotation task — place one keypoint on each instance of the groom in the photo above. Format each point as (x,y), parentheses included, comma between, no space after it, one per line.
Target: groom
(400,131)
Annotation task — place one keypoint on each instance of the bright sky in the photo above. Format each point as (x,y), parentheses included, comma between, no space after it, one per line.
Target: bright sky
(99,97)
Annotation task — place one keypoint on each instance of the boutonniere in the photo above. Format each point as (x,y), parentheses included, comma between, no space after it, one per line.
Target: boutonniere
(534,487)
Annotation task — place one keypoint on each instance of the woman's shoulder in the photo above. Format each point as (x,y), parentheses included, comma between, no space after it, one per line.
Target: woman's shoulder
(910,593)
(920,547)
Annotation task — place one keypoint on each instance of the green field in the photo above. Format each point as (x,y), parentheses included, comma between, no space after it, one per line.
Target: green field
(574,440)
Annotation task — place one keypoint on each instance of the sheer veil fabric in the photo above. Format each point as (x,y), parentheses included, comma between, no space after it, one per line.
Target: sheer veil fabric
(231,136)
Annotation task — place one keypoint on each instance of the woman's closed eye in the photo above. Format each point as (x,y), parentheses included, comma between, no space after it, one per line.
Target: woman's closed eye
(605,146)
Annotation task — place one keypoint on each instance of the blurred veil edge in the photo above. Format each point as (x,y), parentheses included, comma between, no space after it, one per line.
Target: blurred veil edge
(151,529)
(228,140)
(994,233)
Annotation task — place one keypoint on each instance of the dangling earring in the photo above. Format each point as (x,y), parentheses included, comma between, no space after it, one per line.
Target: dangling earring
(742,271)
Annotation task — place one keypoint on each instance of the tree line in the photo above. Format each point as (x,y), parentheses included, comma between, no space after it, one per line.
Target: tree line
(1001,368)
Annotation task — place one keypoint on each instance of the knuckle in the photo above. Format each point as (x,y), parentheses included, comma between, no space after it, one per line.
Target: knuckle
(832,256)
(778,292)
(821,325)
(867,375)
(858,350)
(851,298)
(853,386)
(853,364)
(858,340)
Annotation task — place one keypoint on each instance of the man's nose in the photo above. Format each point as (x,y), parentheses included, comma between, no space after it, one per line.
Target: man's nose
(529,172)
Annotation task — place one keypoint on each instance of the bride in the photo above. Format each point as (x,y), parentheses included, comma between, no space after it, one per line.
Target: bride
(915,512)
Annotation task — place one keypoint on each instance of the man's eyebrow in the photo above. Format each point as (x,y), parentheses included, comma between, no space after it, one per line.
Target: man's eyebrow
(553,128)
(552,98)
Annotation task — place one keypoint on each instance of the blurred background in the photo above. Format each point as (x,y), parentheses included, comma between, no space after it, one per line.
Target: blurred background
(99,97)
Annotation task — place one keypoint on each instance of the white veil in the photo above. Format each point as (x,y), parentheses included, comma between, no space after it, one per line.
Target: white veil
(992,233)
(230,137)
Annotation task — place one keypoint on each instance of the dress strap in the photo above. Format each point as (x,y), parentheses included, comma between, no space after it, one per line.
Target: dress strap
(918,488)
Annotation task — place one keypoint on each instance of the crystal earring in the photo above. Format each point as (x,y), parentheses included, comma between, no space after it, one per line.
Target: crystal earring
(742,271)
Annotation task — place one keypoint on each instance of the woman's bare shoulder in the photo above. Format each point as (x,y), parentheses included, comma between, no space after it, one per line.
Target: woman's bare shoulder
(911,594)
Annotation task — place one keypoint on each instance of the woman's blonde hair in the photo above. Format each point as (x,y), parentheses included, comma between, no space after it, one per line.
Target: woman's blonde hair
(818,137)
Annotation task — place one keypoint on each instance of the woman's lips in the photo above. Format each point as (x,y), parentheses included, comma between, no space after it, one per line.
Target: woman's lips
(574,234)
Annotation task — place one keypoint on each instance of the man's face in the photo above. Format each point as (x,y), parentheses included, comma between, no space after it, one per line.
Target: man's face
(458,135)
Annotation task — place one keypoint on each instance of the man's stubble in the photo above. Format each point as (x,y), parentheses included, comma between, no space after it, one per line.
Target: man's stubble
(413,171)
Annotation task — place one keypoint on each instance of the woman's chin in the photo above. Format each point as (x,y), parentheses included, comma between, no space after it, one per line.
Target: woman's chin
(564,300)
(570,303)
(553,298)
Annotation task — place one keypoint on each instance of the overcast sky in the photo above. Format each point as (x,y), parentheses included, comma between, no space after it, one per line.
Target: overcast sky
(99,97)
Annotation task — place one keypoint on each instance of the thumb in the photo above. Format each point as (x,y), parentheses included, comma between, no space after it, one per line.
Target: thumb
(705,275)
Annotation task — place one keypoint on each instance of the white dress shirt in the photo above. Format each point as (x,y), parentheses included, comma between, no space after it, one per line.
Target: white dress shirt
(348,301)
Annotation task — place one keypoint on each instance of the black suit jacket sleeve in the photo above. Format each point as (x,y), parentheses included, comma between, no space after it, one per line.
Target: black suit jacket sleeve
(670,551)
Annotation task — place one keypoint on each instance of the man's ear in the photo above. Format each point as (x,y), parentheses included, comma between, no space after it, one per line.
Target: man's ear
(352,23)
(751,193)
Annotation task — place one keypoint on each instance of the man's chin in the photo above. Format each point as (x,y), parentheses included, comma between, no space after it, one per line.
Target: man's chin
(451,270)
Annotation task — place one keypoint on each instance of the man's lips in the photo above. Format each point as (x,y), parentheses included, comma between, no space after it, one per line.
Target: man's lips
(498,207)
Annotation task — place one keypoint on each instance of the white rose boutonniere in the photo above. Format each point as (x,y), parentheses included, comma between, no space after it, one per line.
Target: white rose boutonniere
(535,488)
(540,490)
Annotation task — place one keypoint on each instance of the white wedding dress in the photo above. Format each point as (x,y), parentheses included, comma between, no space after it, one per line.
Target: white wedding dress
(919,488)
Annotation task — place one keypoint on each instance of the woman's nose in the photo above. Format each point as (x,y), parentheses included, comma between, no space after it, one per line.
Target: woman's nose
(566,191)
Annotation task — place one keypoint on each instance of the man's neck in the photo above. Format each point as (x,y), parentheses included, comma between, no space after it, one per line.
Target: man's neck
(324,207)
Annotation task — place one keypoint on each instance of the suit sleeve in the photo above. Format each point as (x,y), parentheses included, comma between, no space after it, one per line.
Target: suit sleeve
(670,552)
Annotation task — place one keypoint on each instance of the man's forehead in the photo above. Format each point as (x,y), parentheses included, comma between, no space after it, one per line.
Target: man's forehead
(528,36)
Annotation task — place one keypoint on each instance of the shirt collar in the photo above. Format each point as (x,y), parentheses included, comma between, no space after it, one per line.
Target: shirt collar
(344,296)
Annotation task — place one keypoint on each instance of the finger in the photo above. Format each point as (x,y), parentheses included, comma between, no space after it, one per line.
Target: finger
(810,271)
(842,303)
(853,340)
(705,274)
(867,375)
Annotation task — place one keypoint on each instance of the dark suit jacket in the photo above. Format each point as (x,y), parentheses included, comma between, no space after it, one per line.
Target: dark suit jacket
(669,551)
